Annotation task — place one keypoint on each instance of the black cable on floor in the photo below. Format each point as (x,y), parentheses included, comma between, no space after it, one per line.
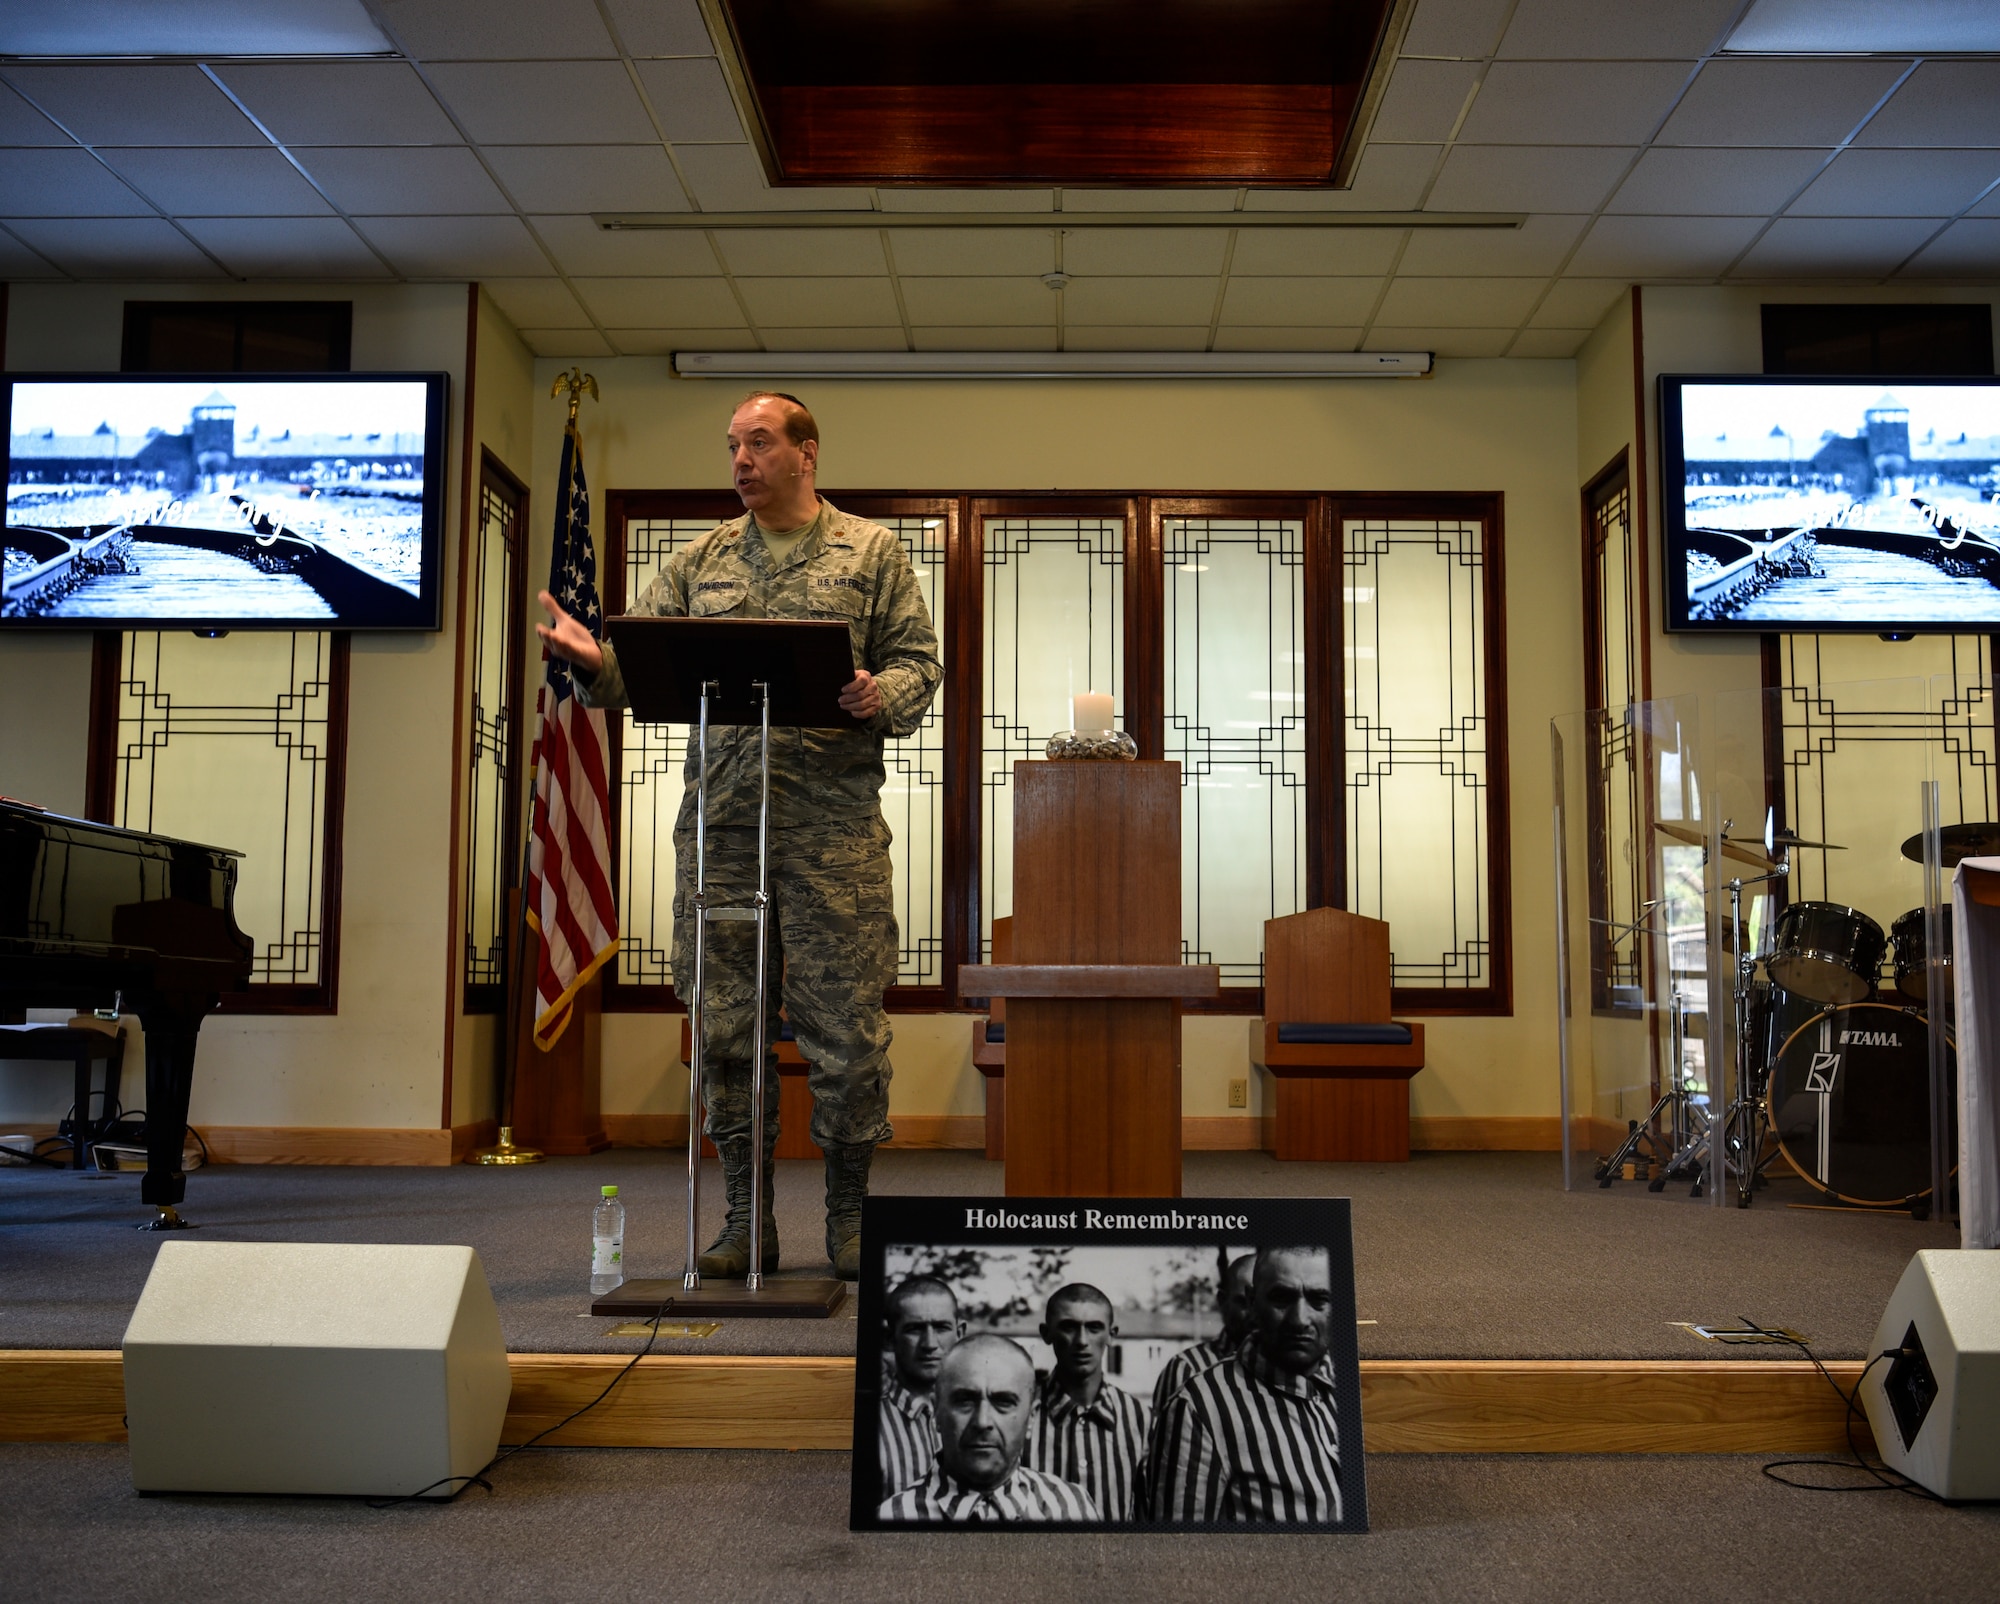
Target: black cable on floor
(1884,1479)
(479,1476)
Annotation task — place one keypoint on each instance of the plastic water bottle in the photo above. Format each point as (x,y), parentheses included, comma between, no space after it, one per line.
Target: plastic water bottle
(607,1243)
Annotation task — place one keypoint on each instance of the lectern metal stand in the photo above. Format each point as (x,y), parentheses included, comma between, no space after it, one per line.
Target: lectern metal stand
(756,1295)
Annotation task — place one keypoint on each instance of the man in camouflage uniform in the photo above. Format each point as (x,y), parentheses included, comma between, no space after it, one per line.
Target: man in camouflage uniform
(833,923)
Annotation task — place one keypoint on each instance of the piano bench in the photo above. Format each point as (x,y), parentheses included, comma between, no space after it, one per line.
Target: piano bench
(82,1046)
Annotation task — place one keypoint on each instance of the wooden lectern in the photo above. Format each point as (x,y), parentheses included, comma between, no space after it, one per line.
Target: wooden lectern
(1094,992)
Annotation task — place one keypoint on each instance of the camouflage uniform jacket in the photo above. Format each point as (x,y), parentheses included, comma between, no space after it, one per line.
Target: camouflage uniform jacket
(843,568)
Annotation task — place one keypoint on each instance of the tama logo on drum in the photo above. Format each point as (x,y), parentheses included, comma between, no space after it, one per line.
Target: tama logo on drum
(1870,1038)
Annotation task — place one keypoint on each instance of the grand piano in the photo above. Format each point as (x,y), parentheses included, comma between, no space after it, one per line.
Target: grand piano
(91,914)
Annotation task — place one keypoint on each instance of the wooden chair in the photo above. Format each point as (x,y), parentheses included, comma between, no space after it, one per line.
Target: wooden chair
(989,1049)
(1341,1064)
(81,1046)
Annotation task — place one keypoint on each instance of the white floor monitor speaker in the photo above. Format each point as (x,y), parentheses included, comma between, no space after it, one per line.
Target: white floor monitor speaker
(1935,1407)
(313,1367)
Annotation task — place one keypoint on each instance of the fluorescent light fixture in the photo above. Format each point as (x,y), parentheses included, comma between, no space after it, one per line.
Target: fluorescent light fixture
(1868,27)
(1052,364)
(100,28)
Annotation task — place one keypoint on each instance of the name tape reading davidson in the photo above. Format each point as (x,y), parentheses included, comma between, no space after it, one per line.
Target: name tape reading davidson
(1098,1220)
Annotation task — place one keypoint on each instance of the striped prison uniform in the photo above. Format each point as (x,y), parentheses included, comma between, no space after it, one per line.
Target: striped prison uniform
(906,1437)
(1246,1441)
(1100,1448)
(1183,1367)
(1025,1495)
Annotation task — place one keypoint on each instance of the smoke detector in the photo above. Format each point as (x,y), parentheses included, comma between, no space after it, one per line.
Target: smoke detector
(1055,280)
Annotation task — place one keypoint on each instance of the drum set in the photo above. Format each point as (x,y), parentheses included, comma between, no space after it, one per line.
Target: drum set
(1833,1065)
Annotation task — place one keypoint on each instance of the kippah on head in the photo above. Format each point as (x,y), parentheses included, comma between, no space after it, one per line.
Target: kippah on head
(910,1286)
(1077,1292)
(800,425)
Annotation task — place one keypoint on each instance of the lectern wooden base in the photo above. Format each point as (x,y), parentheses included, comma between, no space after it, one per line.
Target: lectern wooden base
(803,1299)
(1093,1097)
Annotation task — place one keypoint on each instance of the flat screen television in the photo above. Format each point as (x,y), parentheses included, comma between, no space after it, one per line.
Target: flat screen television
(1820,505)
(223,501)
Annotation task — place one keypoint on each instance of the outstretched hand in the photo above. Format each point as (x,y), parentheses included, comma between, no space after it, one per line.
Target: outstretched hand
(567,639)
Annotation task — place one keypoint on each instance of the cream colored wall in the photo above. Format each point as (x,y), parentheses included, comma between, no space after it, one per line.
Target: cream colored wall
(1476,425)
(380,1060)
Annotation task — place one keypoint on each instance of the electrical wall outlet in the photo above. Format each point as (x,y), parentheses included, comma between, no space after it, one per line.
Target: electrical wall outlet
(1239,1094)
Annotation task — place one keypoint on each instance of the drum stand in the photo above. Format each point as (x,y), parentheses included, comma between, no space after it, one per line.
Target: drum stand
(1686,1117)
(1746,1125)
(814,1298)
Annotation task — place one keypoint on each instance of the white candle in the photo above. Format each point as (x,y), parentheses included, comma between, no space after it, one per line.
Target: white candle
(1090,713)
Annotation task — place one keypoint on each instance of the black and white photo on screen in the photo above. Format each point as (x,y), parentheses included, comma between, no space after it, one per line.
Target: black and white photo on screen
(1108,1364)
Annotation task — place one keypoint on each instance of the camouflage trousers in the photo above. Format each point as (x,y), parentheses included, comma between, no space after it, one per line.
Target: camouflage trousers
(832,952)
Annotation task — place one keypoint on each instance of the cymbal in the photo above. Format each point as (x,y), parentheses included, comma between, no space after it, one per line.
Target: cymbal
(1694,836)
(1786,838)
(1958,842)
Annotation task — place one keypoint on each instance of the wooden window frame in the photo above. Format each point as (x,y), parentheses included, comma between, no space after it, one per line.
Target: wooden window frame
(962,593)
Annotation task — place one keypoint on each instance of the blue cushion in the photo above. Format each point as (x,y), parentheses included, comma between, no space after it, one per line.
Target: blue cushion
(996,1030)
(1345,1035)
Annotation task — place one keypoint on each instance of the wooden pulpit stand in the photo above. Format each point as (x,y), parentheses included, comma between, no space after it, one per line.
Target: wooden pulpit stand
(1094,992)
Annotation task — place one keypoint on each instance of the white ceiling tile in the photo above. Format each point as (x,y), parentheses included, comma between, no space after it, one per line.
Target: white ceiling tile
(798,303)
(1247,339)
(565,342)
(1298,303)
(949,339)
(1690,182)
(968,302)
(660,303)
(835,340)
(1422,102)
(967,200)
(219,183)
(1970,248)
(1458,303)
(1442,342)
(408,180)
(660,27)
(17,262)
(580,246)
(63,183)
(1945,103)
(1833,247)
(1617,30)
(588,178)
(286,247)
(973,251)
(664,342)
(691,99)
(1267,252)
(1527,178)
(1388,178)
(774,252)
(1535,249)
(1548,342)
(545,102)
(1171,252)
(1149,200)
(1783,103)
(455,247)
(1578,303)
(536,303)
(1146,338)
(116,247)
(21,124)
(340,102)
(1456,27)
(1899,183)
(151,104)
(1663,247)
(1572,102)
(1131,301)
(729,178)
(496,30)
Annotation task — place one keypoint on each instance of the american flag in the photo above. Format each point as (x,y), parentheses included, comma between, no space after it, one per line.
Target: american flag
(569,856)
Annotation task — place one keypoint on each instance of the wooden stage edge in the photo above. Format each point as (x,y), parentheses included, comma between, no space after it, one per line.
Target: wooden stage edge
(1488,1406)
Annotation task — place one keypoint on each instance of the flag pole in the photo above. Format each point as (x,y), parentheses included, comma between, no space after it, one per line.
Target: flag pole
(505,1151)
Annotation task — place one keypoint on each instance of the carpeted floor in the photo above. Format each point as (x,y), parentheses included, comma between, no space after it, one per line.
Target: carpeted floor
(600,1526)
(1457,1255)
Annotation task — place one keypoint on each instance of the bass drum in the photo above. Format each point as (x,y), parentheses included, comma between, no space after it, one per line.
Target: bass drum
(1827,952)
(1850,1103)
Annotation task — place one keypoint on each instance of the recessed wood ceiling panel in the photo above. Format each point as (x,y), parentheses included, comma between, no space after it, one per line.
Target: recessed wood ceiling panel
(1144,92)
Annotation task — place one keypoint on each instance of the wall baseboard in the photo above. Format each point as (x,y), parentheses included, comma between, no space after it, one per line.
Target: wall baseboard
(1445,1133)
(331,1144)
(468,1139)
(1221,1133)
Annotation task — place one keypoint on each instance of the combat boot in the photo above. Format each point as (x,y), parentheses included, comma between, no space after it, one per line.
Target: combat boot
(846,1186)
(728,1256)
